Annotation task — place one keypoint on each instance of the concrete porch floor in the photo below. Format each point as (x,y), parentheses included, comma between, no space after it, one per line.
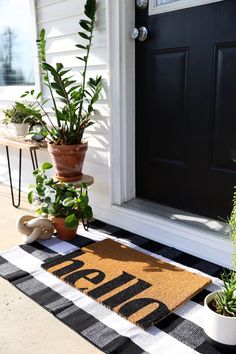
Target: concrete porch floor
(25,327)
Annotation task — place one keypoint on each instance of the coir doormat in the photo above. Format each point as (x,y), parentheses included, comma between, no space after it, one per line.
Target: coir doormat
(139,287)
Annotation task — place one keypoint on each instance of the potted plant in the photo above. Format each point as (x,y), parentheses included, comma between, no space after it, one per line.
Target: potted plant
(20,116)
(77,99)
(220,306)
(65,203)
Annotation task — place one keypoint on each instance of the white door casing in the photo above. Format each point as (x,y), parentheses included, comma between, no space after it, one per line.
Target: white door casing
(121,20)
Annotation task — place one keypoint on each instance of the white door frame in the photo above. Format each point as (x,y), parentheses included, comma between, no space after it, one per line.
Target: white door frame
(121,20)
(207,245)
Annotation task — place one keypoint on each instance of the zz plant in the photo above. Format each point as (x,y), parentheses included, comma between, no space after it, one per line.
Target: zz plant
(73,114)
(58,199)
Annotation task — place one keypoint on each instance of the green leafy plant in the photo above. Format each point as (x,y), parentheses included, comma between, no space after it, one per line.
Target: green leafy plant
(22,113)
(73,114)
(225,301)
(58,199)
(232,228)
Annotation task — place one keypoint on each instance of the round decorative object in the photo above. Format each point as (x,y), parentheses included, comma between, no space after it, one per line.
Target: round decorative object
(34,228)
(37,128)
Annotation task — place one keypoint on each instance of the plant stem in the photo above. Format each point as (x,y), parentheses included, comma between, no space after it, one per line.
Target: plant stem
(86,66)
(41,106)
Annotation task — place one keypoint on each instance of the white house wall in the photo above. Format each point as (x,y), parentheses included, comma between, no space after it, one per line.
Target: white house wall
(60,19)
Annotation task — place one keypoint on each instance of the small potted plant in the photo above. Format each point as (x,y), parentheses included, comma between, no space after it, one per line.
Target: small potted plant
(220,314)
(19,117)
(65,203)
(220,306)
(73,113)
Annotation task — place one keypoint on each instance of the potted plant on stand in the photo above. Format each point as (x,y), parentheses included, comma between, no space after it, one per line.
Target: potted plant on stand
(220,306)
(77,99)
(19,117)
(64,203)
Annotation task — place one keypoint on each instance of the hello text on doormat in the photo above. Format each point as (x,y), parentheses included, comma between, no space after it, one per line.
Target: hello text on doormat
(139,287)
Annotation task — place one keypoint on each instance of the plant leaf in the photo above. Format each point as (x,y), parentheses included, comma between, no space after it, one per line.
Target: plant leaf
(68,202)
(71,221)
(83,35)
(30,197)
(46,166)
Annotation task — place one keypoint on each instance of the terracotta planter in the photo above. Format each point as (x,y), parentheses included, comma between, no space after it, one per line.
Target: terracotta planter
(220,330)
(63,232)
(68,161)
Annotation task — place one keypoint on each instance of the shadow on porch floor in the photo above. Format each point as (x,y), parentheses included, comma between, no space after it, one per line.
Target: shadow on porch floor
(25,326)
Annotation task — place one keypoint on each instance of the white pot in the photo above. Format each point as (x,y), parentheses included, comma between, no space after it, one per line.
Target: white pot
(18,130)
(220,330)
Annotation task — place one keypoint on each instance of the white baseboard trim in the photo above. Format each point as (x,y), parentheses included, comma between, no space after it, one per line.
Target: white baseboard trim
(207,245)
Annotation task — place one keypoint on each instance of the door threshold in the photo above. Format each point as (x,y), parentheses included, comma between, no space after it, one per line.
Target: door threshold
(180,216)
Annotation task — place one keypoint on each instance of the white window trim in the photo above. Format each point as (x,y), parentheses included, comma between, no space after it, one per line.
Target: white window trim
(154,9)
(207,245)
(11,93)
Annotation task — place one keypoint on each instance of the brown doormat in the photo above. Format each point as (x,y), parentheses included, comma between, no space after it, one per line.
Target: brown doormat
(139,287)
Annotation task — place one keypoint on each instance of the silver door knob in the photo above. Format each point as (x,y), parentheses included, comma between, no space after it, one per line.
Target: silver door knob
(140,34)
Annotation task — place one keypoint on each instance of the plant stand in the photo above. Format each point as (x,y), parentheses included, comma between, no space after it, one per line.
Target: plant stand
(21,145)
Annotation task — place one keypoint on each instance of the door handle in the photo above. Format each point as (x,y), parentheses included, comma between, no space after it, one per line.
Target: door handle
(141,34)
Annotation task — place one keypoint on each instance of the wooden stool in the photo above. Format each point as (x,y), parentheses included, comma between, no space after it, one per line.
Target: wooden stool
(21,145)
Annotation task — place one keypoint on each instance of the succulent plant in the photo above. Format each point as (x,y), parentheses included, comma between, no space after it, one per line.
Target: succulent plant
(225,301)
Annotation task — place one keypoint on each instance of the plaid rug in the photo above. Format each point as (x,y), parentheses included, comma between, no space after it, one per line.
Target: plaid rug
(180,333)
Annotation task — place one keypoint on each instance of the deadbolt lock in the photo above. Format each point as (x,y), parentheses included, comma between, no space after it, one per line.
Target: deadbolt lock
(142,4)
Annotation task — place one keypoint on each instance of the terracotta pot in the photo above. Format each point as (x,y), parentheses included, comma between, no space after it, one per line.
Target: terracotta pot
(68,161)
(64,233)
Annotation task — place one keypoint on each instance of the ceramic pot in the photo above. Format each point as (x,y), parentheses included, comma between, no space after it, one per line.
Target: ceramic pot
(18,130)
(68,161)
(64,233)
(220,330)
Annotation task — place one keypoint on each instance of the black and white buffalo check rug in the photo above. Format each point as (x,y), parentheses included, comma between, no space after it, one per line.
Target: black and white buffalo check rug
(180,333)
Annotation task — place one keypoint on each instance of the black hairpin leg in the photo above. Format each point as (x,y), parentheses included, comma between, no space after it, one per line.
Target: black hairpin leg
(10,178)
(34,159)
(85,223)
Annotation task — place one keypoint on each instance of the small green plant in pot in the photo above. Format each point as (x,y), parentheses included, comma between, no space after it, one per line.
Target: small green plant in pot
(72,101)
(220,306)
(64,202)
(20,116)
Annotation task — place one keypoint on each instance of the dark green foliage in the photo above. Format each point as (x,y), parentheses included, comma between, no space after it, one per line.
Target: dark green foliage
(59,199)
(78,99)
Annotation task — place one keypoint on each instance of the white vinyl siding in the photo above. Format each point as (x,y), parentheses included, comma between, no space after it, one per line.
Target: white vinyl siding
(60,19)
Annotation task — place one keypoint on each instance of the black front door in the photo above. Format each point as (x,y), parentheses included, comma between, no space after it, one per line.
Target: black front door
(186,108)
